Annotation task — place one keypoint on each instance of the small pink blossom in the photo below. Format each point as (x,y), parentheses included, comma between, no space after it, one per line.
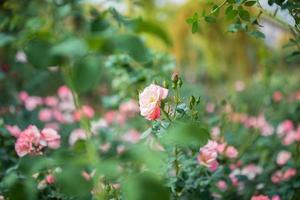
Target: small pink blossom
(121,149)
(239,86)
(251,171)
(105,147)
(50,138)
(222,185)
(45,115)
(21,57)
(64,93)
(208,155)
(276,197)
(260,197)
(215,132)
(32,102)
(23,96)
(277,96)
(277,177)
(22,147)
(77,134)
(13,130)
(285,127)
(283,157)
(150,100)
(289,173)
(86,111)
(129,108)
(289,138)
(231,152)
(132,136)
(51,101)
(52,125)
(50,179)
(210,107)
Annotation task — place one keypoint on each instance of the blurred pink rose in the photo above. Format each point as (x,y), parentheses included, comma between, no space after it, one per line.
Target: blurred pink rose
(129,108)
(52,125)
(231,152)
(27,140)
(283,157)
(50,179)
(289,173)
(260,197)
(132,136)
(285,127)
(13,130)
(32,102)
(77,134)
(239,86)
(121,149)
(51,101)
(276,197)
(233,179)
(23,96)
(50,137)
(277,96)
(289,138)
(86,111)
(45,115)
(277,177)
(221,147)
(210,107)
(21,57)
(215,132)
(64,93)
(150,100)
(208,155)
(222,185)
(251,171)
(105,147)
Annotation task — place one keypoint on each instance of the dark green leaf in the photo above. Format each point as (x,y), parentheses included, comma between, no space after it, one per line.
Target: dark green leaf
(250,3)
(210,19)
(195,27)
(257,34)
(244,15)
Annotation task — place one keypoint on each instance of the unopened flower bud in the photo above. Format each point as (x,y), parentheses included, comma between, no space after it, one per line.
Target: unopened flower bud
(175,77)
(180,82)
(165,84)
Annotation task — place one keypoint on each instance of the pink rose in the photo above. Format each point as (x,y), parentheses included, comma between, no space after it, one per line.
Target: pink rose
(231,152)
(260,197)
(208,155)
(86,111)
(64,93)
(22,147)
(21,57)
(150,100)
(77,134)
(45,115)
(222,185)
(105,147)
(289,138)
(23,96)
(276,177)
(291,172)
(13,130)
(32,102)
(283,157)
(285,127)
(277,96)
(50,179)
(276,197)
(27,140)
(50,138)
(51,101)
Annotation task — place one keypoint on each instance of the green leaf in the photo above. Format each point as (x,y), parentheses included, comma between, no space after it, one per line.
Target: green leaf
(131,45)
(244,14)
(72,47)
(250,3)
(144,186)
(38,53)
(210,19)
(257,34)
(231,14)
(5,39)
(195,27)
(186,134)
(228,9)
(87,73)
(189,20)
